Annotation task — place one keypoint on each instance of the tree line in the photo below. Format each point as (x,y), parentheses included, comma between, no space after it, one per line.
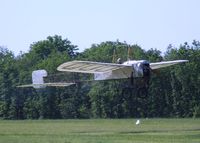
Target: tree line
(173,91)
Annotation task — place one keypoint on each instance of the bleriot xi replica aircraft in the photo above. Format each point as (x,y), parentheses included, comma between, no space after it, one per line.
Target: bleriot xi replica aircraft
(103,71)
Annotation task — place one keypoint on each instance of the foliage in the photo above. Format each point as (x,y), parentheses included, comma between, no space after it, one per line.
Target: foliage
(173,91)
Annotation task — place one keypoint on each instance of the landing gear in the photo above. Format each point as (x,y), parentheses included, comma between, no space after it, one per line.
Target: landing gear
(135,96)
(140,86)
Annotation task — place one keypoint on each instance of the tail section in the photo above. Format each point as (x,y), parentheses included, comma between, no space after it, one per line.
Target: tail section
(38,78)
(38,81)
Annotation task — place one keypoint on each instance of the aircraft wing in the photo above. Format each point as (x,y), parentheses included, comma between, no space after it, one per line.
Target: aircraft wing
(90,67)
(56,84)
(158,65)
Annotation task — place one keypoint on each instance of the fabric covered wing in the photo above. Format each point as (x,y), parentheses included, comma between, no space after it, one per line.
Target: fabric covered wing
(89,67)
(116,74)
(165,64)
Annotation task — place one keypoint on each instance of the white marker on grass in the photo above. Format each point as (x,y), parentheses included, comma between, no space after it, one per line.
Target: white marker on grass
(137,122)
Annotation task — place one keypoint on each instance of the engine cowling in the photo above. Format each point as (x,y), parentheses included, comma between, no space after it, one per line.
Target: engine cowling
(141,69)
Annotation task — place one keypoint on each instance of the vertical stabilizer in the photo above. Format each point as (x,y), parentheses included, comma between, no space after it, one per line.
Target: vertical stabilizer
(38,78)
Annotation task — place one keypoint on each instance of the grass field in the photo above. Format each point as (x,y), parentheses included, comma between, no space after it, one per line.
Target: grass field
(100,131)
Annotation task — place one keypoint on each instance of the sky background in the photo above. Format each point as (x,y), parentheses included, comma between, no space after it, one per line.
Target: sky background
(148,23)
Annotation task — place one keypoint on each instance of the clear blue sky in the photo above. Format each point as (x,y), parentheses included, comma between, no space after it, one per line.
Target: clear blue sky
(148,23)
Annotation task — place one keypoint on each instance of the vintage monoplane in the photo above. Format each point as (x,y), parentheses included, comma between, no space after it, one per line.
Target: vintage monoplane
(103,71)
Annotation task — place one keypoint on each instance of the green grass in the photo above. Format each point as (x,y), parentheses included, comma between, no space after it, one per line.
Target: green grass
(100,131)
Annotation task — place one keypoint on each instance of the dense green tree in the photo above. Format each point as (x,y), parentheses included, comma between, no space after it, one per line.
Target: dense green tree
(173,91)
(46,54)
(185,79)
(7,82)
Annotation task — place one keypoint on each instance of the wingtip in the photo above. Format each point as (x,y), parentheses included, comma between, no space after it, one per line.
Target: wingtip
(184,61)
